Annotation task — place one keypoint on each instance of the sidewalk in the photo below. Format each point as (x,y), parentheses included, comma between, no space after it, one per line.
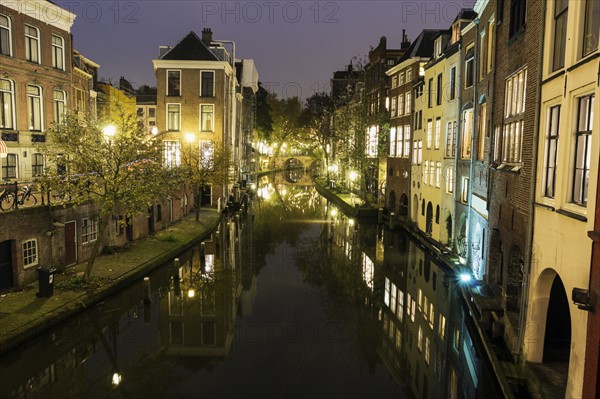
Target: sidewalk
(23,315)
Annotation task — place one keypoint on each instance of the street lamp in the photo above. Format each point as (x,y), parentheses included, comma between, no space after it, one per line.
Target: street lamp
(190,137)
(109,131)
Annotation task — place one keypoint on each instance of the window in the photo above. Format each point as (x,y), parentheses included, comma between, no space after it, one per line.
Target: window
(119,225)
(427,350)
(560,33)
(80,101)
(438,174)
(442,327)
(207,152)
(173,117)
(431,173)
(5,36)
(583,150)
(419,120)
(517,16)
(152,112)
(34,108)
(58,52)
(394,81)
(482,133)
(465,190)
(551,151)
(371,149)
(482,55)
(451,139)
(206,118)
(401,104)
(420,152)
(512,137)
(9,166)
(467,134)
(456,342)
(406,141)
(429,88)
(452,83)
(394,106)
(591,26)
(401,79)
(60,101)
(30,253)
(420,339)
(425,172)
(37,164)
(419,90)
(439,90)
(437,47)
(392,142)
(449,180)
(32,44)
(438,130)
(173,83)
(140,112)
(469,67)
(207,83)
(7,104)
(431,314)
(407,103)
(429,133)
(171,153)
(408,75)
(89,230)
(490,46)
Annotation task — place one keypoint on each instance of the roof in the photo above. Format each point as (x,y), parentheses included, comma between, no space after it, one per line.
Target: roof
(191,47)
(423,45)
(466,13)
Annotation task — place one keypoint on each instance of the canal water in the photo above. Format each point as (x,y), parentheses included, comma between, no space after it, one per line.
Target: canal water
(289,299)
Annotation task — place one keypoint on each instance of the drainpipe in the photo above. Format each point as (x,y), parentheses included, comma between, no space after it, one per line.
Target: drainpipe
(476,73)
(456,137)
(532,190)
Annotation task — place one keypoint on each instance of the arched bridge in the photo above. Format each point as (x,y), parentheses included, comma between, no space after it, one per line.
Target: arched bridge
(292,162)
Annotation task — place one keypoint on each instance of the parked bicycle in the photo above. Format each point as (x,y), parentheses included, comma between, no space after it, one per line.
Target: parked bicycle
(10,199)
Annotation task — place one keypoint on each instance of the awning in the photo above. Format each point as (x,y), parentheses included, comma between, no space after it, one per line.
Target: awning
(3,149)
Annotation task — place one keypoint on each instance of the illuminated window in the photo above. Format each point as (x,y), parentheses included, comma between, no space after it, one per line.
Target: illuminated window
(386,295)
(393,302)
(207,118)
(409,75)
(429,133)
(431,315)
(171,153)
(438,130)
(449,180)
(451,139)
(442,327)
(400,306)
(401,104)
(490,47)
(406,141)
(173,117)
(427,350)
(438,174)
(420,339)
(394,106)
(34,108)
(407,105)
(467,134)
(482,133)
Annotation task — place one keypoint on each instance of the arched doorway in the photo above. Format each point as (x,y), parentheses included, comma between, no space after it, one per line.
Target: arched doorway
(429,218)
(392,201)
(403,208)
(557,337)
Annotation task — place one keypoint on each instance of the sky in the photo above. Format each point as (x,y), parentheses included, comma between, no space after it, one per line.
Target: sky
(296,45)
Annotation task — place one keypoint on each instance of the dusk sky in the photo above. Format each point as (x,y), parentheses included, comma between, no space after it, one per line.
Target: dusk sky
(297,45)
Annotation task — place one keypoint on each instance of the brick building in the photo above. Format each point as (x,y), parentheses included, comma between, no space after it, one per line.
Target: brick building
(515,124)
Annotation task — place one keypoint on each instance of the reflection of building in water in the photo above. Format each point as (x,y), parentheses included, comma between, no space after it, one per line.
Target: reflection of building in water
(198,314)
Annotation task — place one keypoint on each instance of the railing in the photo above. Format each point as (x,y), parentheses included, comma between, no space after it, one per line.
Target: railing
(15,195)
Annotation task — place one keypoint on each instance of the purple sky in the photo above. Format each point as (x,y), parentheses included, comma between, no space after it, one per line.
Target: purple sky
(296,44)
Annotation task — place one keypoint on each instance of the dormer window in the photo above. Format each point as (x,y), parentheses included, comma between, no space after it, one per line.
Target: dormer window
(437,47)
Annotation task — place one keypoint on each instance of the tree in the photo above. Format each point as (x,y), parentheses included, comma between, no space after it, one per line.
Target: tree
(205,165)
(264,121)
(317,123)
(285,114)
(114,163)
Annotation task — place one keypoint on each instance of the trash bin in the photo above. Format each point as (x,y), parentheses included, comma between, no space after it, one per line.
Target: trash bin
(46,282)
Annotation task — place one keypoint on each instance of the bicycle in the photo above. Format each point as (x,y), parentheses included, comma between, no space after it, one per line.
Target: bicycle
(25,195)
(7,197)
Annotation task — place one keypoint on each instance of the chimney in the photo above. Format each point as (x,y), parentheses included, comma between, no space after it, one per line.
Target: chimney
(207,36)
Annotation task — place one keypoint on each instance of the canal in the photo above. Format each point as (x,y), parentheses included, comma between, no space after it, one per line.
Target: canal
(291,299)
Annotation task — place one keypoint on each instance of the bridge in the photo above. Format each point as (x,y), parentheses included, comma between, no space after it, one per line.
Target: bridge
(294,161)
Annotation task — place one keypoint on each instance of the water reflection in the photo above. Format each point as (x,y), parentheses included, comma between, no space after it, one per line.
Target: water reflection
(290,299)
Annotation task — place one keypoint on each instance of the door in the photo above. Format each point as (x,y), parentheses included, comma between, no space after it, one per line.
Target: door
(70,243)
(151,220)
(129,228)
(6,265)
(206,198)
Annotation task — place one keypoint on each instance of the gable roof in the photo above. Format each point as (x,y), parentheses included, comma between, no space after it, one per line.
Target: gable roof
(190,47)
(423,44)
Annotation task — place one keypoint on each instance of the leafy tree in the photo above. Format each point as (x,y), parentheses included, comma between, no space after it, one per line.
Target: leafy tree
(208,164)
(118,168)
(285,114)
(317,123)
(264,120)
